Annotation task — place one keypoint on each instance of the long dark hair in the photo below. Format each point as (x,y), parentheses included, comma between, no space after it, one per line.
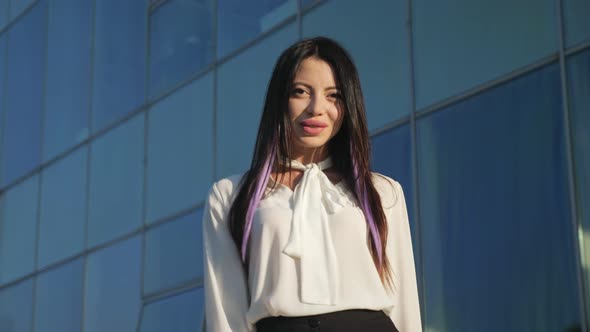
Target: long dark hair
(349,148)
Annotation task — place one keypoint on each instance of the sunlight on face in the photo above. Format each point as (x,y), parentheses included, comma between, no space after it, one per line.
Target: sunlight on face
(314,109)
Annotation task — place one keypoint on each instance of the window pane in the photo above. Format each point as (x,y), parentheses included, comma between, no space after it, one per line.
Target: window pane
(173,253)
(181,313)
(116,182)
(240,21)
(382,60)
(392,156)
(180,149)
(463,43)
(495,211)
(119,59)
(2,73)
(16,307)
(578,69)
(576,23)
(17,6)
(18,229)
(307,3)
(68,75)
(4,13)
(241,88)
(58,306)
(24,87)
(181,42)
(63,208)
(113,292)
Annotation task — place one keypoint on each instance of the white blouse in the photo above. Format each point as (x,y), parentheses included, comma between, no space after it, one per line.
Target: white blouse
(308,255)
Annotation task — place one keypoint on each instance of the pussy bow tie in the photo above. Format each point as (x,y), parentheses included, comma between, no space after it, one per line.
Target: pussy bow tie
(310,240)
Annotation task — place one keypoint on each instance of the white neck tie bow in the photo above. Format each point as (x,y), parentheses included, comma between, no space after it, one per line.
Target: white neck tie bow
(310,239)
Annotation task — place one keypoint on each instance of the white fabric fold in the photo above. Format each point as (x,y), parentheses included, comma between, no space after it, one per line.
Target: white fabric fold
(310,239)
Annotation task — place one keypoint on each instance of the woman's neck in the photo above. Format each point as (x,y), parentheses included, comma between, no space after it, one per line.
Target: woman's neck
(309,156)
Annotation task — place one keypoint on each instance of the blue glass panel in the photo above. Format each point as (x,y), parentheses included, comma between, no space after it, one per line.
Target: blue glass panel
(116,182)
(18,229)
(496,228)
(181,313)
(180,149)
(58,306)
(240,21)
(173,253)
(67,89)
(576,22)
(2,73)
(181,42)
(578,71)
(113,290)
(241,88)
(4,12)
(119,59)
(63,208)
(392,156)
(307,3)
(24,88)
(382,60)
(17,6)
(461,44)
(16,307)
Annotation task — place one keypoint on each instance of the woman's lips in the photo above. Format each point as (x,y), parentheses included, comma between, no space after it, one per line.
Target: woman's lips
(313,127)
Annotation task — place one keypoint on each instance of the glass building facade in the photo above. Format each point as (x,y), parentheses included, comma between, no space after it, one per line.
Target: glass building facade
(116,117)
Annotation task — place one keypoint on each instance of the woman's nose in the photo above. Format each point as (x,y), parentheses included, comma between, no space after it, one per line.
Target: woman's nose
(316,105)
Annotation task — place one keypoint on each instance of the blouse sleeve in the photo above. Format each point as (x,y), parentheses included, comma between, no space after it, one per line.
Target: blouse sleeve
(406,311)
(226,295)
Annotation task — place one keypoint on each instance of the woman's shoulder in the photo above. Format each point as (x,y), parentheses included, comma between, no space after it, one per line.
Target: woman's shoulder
(388,188)
(226,188)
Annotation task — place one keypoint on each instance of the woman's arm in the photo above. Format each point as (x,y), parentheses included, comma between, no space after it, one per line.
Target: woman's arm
(406,313)
(226,295)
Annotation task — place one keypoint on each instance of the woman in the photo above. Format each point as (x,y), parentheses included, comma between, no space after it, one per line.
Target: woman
(309,239)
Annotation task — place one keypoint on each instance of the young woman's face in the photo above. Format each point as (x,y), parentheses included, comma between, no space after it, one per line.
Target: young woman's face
(314,106)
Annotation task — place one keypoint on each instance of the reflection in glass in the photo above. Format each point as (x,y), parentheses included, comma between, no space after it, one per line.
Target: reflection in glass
(17,6)
(241,88)
(382,59)
(461,44)
(113,290)
(63,208)
(16,307)
(180,146)
(496,230)
(2,72)
(180,313)
(576,22)
(18,229)
(578,67)
(116,182)
(119,59)
(173,253)
(4,13)
(181,42)
(58,306)
(240,21)
(67,89)
(21,144)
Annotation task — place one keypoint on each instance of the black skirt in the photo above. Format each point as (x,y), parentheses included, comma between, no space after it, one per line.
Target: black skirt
(340,321)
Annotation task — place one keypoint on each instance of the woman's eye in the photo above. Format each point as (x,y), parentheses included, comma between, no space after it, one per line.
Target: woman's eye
(335,96)
(298,91)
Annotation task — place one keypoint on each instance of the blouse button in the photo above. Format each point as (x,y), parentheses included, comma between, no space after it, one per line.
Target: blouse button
(313,322)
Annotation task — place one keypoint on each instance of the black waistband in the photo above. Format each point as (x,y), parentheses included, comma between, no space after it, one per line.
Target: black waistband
(354,316)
